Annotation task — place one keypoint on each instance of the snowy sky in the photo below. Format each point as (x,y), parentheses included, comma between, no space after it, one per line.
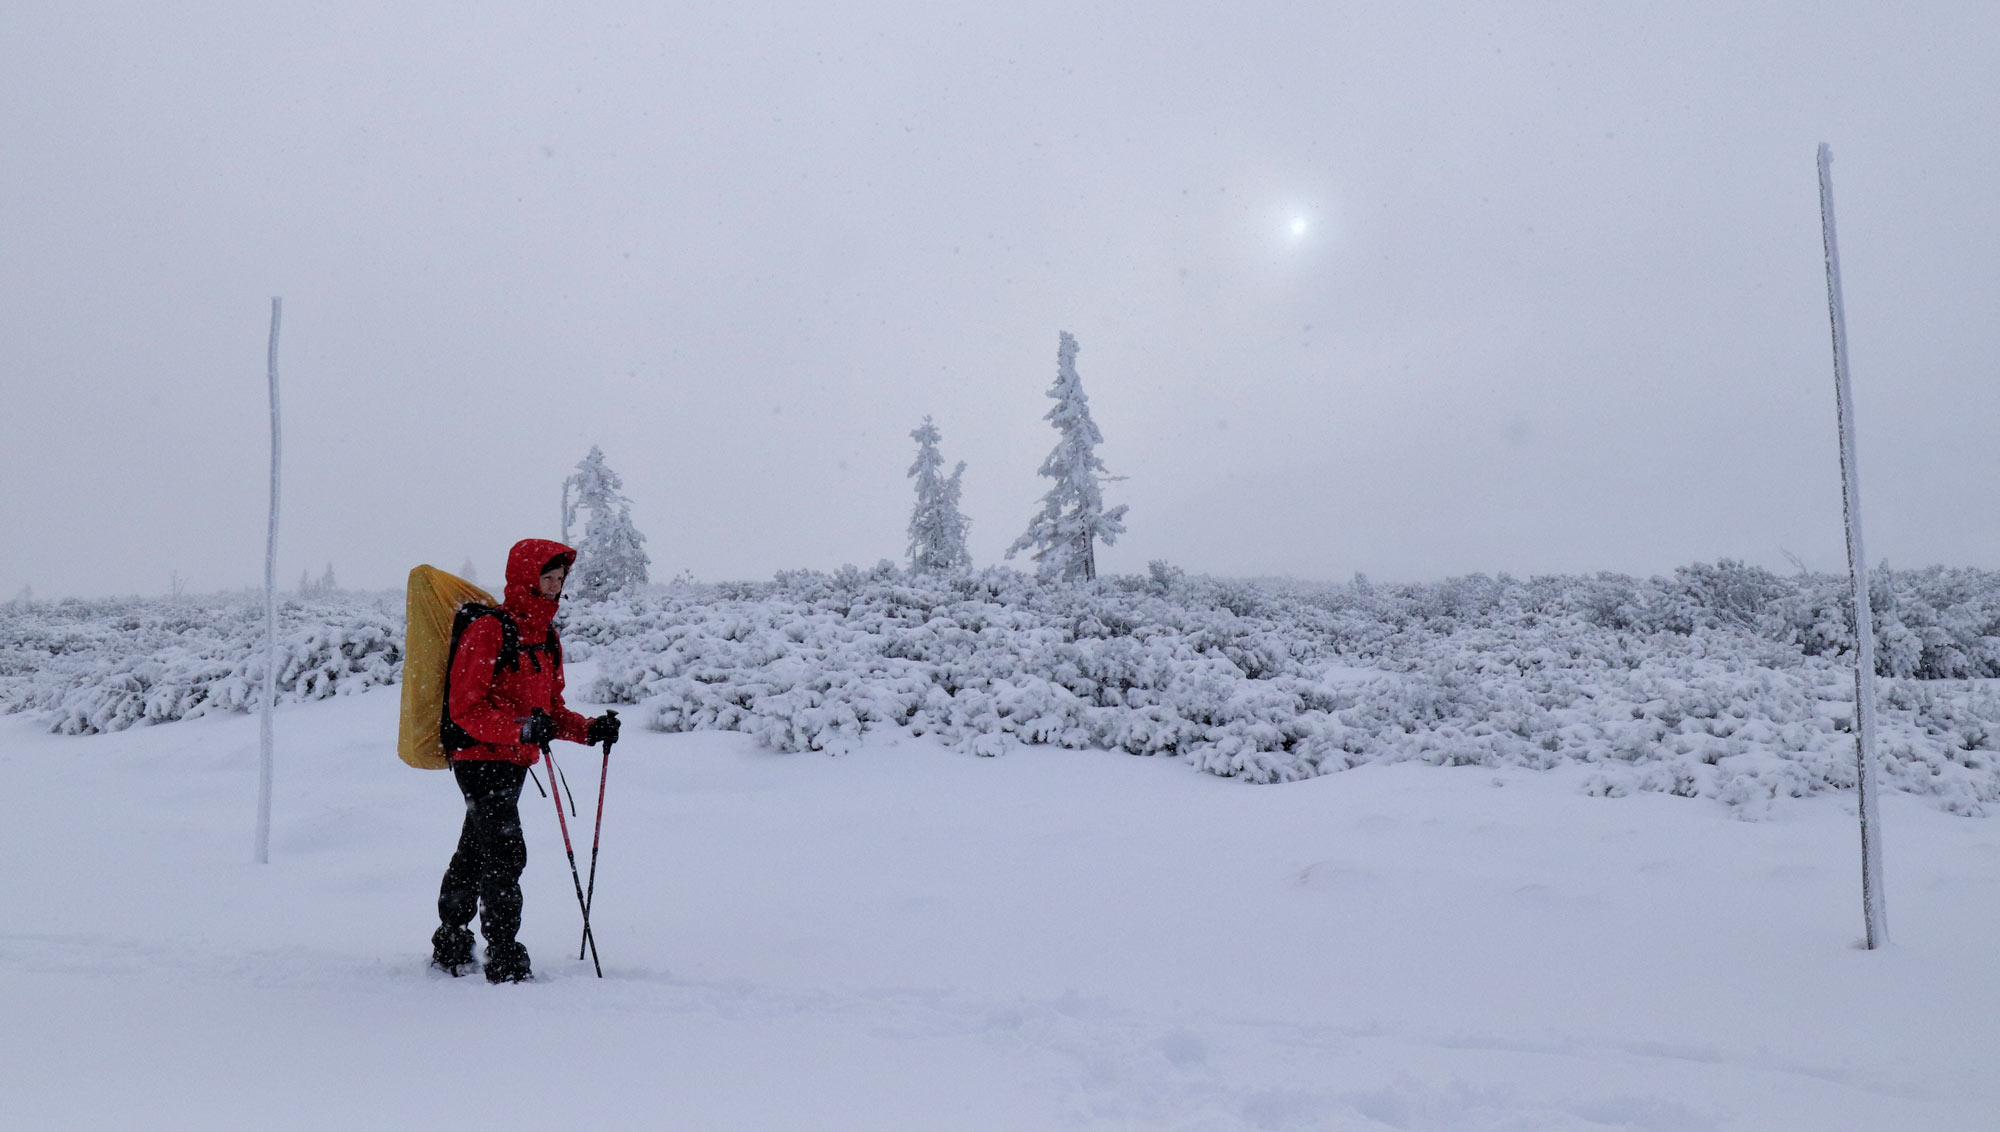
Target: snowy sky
(1556,304)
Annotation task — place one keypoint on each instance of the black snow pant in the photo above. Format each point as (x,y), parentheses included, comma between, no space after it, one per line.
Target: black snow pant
(485,874)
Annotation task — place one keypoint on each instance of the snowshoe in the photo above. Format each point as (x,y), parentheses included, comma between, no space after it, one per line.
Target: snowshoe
(507,963)
(451,950)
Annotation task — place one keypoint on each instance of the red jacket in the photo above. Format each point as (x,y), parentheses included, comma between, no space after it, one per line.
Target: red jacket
(491,705)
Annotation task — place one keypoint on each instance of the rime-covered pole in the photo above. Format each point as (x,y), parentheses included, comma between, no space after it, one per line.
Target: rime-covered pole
(270,613)
(1873,908)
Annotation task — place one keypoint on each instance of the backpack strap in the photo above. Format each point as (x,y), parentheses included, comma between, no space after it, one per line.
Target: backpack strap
(509,656)
(551,647)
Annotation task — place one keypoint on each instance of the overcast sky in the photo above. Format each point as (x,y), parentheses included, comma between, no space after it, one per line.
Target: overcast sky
(1412,289)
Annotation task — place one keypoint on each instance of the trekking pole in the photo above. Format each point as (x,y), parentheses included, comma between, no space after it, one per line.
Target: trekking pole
(590,891)
(564,779)
(574,877)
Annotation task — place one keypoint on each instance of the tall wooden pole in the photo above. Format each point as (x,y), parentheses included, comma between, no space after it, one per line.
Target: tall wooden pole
(1873,910)
(270,612)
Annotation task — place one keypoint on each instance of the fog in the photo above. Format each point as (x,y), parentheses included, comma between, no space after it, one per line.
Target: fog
(1409,289)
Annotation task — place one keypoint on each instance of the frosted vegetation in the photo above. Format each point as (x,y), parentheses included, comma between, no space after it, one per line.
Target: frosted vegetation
(1062,538)
(1721,681)
(937,526)
(89,666)
(612,557)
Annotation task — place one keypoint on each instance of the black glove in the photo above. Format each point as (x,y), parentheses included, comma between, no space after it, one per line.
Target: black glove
(539,729)
(603,729)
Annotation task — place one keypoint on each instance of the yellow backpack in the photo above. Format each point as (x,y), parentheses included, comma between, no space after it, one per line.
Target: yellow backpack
(431,606)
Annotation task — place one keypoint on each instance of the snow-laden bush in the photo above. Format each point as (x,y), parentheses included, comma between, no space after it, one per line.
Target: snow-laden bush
(1699,684)
(107,665)
(1721,681)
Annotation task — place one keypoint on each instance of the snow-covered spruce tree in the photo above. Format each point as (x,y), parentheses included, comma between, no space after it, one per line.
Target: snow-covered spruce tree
(612,555)
(1063,536)
(937,526)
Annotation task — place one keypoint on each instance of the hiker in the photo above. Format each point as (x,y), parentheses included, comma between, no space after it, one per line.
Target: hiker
(503,706)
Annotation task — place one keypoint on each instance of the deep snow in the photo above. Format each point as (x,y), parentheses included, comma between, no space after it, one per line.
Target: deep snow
(907,937)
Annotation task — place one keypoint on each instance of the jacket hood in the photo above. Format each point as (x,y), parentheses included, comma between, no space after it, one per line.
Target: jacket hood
(525,564)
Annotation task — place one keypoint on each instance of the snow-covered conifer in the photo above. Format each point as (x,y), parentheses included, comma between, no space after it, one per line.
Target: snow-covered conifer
(1063,536)
(612,555)
(569,504)
(937,526)
(469,572)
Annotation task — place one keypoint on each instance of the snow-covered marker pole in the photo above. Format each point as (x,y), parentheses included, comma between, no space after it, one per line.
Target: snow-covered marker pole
(1872,902)
(270,612)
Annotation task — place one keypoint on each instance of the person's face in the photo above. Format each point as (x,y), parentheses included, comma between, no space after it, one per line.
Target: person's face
(552,581)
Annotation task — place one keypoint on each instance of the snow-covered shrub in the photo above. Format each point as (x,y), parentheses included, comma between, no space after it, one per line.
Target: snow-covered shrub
(1930,624)
(1720,681)
(107,665)
(1694,684)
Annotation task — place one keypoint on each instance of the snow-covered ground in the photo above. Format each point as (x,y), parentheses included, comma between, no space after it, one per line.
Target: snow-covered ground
(909,937)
